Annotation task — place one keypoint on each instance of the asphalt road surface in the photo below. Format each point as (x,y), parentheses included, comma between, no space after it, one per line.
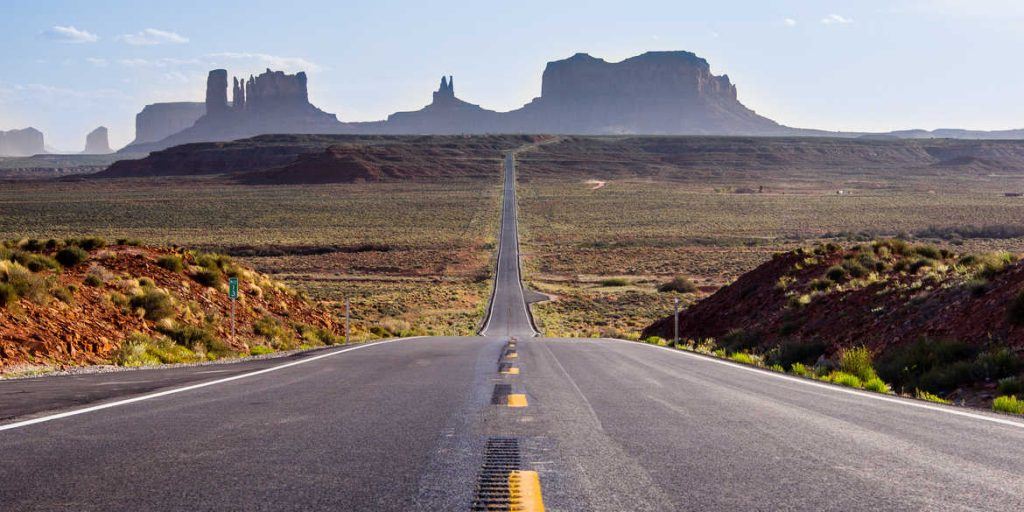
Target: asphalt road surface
(407,425)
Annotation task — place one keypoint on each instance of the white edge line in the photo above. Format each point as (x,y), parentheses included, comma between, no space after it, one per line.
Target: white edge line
(108,405)
(863,394)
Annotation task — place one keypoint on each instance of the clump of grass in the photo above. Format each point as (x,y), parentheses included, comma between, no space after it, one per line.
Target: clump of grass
(1008,404)
(679,284)
(921,394)
(71,256)
(790,352)
(171,262)
(156,303)
(260,350)
(93,280)
(777,368)
(23,282)
(317,335)
(64,294)
(37,262)
(208,278)
(743,357)
(142,350)
(857,361)
(877,385)
(800,369)
(615,281)
(276,334)
(845,379)
(8,295)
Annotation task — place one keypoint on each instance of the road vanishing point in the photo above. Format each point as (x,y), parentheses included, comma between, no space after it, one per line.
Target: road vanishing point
(506,420)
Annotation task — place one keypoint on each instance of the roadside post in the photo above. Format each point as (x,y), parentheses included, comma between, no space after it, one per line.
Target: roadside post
(233,295)
(675,319)
(347,305)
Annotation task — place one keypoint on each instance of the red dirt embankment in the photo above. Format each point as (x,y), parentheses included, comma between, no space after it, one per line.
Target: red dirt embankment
(884,294)
(81,314)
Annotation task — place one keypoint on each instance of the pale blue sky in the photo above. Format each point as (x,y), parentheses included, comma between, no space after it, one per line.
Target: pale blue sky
(69,66)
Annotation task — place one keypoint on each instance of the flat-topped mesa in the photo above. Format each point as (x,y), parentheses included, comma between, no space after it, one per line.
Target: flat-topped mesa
(97,142)
(273,89)
(24,142)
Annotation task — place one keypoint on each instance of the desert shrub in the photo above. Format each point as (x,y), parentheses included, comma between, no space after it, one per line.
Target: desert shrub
(71,256)
(777,368)
(317,335)
(790,352)
(654,340)
(855,269)
(821,284)
(146,282)
(157,304)
(929,397)
(920,263)
(171,262)
(207,277)
(977,286)
(678,284)
(877,385)
(8,295)
(845,379)
(928,251)
(24,282)
(997,363)
(836,274)
(1011,386)
(201,339)
(220,263)
(36,262)
(93,280)
(63,294)
(128,241)
(737,340)
(277,334)
(615,281)
(1008,404)
(857,361)
(91,243)
(1015,311)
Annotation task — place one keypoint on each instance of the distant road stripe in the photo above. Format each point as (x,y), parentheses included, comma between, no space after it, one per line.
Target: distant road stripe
(864,394)
(108,405)
(524,492)
(517,400)
(511,371)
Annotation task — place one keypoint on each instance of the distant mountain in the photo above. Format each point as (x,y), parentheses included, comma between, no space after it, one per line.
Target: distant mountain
(24,142)
(656,93)
(97,143)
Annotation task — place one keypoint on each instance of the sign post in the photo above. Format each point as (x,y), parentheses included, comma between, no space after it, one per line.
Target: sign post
(233,295)
(346,320)
(675,322)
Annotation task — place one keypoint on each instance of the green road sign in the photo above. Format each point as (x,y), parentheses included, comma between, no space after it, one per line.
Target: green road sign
(233,288)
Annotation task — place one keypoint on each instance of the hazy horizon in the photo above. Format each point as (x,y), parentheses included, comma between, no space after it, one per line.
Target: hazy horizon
(873,66)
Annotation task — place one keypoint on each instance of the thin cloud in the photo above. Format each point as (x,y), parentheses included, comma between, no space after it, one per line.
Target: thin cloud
(836,19)
(152,36)
(96,61)
(69,34)
(789,22)
(271,61)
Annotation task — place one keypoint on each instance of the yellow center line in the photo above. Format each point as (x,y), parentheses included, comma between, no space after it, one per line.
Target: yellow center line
(517,400)
(511,371)
(513,355)
(524,492)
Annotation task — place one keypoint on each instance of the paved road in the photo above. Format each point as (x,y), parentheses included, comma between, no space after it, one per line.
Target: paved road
(608,425)
(508,314)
